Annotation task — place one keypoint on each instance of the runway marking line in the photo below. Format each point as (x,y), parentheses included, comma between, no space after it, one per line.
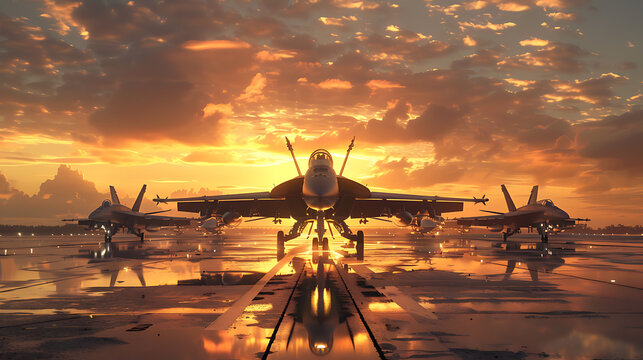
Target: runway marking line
(418,312)
(226,319)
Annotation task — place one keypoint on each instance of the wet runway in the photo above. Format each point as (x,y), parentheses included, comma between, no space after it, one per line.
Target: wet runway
(190,297)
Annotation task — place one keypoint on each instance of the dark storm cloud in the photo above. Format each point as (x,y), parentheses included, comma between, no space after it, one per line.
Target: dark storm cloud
(160,110)
(615,141)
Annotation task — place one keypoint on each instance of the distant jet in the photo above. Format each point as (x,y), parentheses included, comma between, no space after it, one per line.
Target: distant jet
(319,197)
(542,215)
(112,216)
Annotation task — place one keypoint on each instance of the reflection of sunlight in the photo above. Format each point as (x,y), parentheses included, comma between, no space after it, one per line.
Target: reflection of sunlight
(580,345)
(326,301)
(384,307)
(213,348)
(258,307)
(313,301)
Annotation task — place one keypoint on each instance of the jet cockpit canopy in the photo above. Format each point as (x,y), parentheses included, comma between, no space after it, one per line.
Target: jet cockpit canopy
(105,203)
(320,154)
(546,202)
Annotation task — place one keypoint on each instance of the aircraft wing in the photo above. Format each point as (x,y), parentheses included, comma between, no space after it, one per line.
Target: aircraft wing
(393,196)
(370,208)
(382,204)
(271,207)
(244,196)
(520,218)
(131,217)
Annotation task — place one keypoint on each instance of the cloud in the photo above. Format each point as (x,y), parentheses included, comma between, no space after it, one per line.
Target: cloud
(253,92)
(487,26)
(160,109)
(556,57)
(558,16)
(215,45)
(468,41)
(512,6)
(615,141)
(382,84)
(68,194)
(534,42)
(331,84)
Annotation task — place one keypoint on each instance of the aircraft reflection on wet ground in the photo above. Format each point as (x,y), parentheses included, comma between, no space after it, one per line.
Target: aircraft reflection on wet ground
(452,296)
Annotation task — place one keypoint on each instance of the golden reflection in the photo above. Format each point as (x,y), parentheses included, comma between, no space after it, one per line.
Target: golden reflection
(384,307)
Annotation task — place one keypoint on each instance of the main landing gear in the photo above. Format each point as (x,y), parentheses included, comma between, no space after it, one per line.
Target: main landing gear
(508,233)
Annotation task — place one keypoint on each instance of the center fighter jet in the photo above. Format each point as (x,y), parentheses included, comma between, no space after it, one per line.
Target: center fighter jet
(320,197)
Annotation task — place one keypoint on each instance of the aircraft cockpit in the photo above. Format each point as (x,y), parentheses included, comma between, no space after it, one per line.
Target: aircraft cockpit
(105,203)
(546,202)
(320,154)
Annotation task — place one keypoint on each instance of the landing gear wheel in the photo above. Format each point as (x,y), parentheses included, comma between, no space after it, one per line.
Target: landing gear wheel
(281,248)
(360,245)
(142,236)
(315,244)
(325,245)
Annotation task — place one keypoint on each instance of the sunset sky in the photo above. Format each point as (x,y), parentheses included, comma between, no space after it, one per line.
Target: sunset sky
(444,98)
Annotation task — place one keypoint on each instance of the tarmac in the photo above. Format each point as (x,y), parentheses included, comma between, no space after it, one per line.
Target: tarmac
(190,296)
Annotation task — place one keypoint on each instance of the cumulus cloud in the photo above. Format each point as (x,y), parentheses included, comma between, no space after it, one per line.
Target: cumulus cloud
(68,194)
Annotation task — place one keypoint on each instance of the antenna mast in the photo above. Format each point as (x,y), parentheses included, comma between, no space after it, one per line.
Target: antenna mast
(289,146)
(350,147)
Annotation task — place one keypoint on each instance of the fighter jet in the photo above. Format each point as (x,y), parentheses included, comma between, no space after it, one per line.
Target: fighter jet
(319,197)
(112,216)
(542,215)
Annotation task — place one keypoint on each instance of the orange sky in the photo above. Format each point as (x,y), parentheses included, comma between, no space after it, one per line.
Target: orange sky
(444,97)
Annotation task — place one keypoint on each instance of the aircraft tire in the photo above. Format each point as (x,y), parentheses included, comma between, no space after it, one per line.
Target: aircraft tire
(325,245)
(359,246)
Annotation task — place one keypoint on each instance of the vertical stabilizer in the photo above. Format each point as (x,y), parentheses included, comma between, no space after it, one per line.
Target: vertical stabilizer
(510,203)
(534,195)
(139,199)
(114,195)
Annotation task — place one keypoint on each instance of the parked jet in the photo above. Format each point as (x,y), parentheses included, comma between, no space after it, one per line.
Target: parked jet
(542,215)
(112,216)
(320,196)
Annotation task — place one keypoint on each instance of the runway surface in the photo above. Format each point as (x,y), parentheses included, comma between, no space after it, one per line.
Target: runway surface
(195,297)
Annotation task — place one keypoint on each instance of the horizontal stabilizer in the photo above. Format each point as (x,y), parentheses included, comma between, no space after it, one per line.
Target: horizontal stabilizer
(158,212)
(493,212)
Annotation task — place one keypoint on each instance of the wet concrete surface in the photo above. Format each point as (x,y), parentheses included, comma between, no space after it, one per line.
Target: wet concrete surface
(191,296)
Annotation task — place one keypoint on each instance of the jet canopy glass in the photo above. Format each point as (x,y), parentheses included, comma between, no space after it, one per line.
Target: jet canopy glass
(320,154)
(105,203)
(546,202)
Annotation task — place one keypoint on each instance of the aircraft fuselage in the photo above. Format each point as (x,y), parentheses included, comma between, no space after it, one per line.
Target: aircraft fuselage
(320,190)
